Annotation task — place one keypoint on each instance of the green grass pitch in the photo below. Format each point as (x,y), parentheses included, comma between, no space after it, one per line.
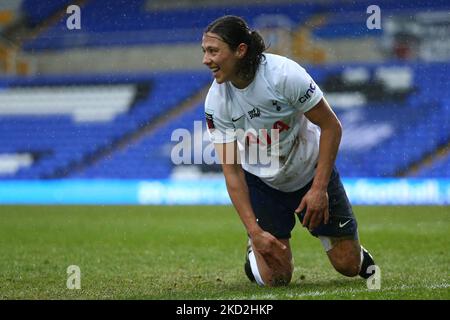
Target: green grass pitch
(197,252)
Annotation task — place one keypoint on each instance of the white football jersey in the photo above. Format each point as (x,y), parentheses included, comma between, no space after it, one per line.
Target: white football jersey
(276,99)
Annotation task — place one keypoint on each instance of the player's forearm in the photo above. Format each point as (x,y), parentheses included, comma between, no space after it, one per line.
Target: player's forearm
(238,191)
(330,139)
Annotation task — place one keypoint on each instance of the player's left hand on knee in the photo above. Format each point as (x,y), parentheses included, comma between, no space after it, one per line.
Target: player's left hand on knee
(316,204)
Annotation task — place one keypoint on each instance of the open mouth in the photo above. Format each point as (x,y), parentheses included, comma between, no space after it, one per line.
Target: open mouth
(215,70)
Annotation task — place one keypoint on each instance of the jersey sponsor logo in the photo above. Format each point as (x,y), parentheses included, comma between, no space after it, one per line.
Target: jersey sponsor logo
(234,120)
(255,112)
(309,93)
(209,120)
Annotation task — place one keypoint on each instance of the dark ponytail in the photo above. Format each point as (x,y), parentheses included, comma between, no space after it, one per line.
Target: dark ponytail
(234,31)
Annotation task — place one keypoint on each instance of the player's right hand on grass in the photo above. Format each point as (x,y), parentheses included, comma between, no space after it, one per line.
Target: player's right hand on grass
(266,244)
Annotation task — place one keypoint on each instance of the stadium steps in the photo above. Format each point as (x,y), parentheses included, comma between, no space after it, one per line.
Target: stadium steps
(426,162)
(20,30)
(129,139)
(23,32)
(304,46)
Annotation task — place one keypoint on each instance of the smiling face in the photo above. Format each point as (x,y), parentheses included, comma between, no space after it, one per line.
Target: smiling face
(221,59)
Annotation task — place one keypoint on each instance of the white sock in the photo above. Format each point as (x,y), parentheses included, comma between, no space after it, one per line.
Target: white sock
(362,259)
(254,267)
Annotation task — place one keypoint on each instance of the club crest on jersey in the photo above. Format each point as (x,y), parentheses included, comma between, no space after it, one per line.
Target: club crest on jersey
(309,93)
(254,113)
(275,104)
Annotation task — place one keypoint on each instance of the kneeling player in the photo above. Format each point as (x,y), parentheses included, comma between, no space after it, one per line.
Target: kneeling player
(281,110)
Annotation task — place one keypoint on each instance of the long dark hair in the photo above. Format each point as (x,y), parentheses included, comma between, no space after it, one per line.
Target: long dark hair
(234,31)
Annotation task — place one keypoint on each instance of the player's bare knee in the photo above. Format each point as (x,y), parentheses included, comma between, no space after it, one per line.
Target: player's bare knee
(280,279)
(347,264)
(348,269)
(280,282)
(345,257)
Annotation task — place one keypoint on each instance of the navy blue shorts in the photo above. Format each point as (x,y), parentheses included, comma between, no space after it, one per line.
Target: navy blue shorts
(274,209)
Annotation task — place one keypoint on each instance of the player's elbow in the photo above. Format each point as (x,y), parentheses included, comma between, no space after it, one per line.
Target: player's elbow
(233,178)
(338,129)
(333,130)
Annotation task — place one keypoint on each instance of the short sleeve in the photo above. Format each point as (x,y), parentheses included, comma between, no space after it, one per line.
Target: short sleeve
(220,128)
(299,88)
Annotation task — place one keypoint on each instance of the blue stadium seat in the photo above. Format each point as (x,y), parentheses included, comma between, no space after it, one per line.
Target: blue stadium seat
(58,142)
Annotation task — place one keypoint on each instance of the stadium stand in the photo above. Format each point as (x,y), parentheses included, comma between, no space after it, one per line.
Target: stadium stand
(391,129)
(56,121)
(151,26)
(60,132)
(375,142)
(147,158)
(148,27)
(437,169)
(395,113)
(37,12)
